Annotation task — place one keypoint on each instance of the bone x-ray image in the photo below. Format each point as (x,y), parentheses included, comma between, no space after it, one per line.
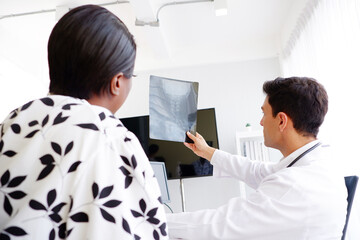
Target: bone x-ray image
(173,108)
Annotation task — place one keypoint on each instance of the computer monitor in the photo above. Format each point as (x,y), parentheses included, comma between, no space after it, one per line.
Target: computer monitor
(175,154)
(160,174)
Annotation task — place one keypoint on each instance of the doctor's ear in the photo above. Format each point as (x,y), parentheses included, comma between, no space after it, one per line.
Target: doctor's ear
(283,121)
(115,84)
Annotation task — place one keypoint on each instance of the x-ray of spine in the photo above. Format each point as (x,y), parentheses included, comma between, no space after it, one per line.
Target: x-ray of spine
(173,108)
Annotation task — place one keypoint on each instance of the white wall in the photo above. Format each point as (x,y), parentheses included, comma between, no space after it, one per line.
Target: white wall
(23,60)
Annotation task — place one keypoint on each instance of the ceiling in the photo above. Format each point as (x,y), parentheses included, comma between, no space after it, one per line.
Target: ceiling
(188,34)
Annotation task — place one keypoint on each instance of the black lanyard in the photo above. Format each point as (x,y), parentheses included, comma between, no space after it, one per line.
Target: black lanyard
(303,154)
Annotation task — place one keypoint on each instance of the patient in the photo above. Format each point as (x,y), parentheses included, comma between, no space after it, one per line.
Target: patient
(68,167)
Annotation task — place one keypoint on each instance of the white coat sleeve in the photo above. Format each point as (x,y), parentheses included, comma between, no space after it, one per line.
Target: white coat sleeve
(251,172)
(253,218)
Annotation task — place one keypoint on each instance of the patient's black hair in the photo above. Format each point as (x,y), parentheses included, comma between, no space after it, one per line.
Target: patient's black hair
(87,48)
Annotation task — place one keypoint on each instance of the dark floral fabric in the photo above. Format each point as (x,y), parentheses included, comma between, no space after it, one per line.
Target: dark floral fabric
(71,170)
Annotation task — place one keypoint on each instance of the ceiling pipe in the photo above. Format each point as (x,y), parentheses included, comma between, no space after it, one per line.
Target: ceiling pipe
(156,22)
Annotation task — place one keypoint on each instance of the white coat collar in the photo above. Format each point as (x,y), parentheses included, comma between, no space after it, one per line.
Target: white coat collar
(285,161)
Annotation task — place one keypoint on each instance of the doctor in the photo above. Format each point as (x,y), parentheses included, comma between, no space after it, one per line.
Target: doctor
(298,198)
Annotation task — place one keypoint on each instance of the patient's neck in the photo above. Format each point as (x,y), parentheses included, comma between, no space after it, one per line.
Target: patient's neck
(102,101)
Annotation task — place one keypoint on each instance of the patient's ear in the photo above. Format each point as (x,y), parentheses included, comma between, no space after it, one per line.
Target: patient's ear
(116,84)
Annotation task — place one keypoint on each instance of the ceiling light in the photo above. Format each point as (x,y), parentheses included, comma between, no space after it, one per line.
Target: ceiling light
(220,7)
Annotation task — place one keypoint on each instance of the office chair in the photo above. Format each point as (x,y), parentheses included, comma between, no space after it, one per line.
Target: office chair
(350,182)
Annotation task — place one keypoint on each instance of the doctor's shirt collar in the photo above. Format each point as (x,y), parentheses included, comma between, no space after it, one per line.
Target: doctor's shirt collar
(285,161)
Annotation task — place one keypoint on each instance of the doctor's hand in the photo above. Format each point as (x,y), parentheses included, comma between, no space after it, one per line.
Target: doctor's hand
(200,147)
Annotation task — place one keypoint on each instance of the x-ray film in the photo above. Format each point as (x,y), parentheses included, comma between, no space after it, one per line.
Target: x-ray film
(173,108)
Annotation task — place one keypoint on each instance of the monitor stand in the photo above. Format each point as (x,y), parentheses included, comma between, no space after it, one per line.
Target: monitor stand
(182,195)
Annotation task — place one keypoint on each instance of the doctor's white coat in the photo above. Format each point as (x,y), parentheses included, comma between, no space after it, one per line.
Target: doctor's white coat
(305,201)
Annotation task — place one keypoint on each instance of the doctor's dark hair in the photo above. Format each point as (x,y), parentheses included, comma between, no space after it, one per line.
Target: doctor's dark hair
(303,99)
(86,49)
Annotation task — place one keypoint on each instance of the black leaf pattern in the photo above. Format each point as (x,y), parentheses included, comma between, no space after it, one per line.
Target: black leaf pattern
(107,216)
(68,232)
(128,181)
(142,205)
(90,126)
(163,229)
(7,206)
(56,147)
(16,128)
(52,234)
(15,231)
(106,191)
(133,161)
(126,226)
(47,159)
(47,101)
(68,106)
(26,106)
(69,147)
(156,235)
(74,166)
(4,236)
(36,205)
(153,220)
(62,230)
(55,217)
(5,178)
(71,203)
(45,172)
(102,116)
(126,161)
(10,153)
(51,197)
(59,119)
(14,114)
(112,203)
(45,121)
(16,181)
(17,194)
(1,145)
(152,212)
(80,217)
(136,237)
(95,190)
(58,207)
(33,123)
(119,125)
(125,171)
(136,213)
(63,233)
(30,135)
(126,139)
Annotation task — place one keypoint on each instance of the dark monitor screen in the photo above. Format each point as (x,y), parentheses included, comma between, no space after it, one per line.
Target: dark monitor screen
(180,161)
